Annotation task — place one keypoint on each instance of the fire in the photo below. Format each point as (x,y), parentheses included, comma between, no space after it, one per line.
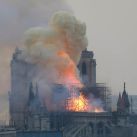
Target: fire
(82,104)
(98,109)
(77,104)
(56,51)
(68,73)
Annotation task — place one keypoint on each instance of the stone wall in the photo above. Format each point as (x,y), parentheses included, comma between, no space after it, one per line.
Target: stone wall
(120,131)
(10,133)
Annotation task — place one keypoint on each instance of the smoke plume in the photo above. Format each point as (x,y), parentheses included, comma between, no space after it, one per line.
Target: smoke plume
(56,51)
(19,15)
(16,17)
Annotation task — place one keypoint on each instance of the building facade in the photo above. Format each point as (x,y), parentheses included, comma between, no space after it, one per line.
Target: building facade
(87,67)
(24,102)
(19,94)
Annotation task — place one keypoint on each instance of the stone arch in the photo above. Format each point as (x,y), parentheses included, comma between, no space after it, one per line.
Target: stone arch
(84,68)
(100,128)
(108,129)
(91,125)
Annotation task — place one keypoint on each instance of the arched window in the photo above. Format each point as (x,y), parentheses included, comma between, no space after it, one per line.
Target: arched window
(100,128)
(91,125)
(84,69)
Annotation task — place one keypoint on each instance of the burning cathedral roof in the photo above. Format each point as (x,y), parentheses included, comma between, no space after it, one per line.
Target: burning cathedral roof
(55,51)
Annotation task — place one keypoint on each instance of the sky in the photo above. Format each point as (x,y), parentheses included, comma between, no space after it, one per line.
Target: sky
(111,32)
(112,35)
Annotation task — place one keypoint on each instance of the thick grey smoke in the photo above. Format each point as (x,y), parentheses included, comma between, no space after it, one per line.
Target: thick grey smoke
(56,51)
(65,33)
(19,15)
(16,17)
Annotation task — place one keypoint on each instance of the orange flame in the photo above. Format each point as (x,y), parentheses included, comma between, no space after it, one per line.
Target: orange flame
(69,72)
(81,104)
(76,103)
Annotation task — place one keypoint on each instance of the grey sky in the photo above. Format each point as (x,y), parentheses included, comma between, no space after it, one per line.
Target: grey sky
(112,35)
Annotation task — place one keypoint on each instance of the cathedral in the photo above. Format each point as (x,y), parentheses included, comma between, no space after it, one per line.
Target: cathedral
(28,111)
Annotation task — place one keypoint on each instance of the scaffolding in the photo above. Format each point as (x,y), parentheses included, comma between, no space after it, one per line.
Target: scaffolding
(105,95)
(74,91)
(76,101)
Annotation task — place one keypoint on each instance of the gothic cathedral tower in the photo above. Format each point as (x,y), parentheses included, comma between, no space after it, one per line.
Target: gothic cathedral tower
(87,67)
(18,97)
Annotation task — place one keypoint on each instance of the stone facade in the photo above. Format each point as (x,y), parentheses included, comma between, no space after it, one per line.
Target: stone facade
(21,77)
(7,132)
(18,97)
(25,107)
(87,67)
(27,113)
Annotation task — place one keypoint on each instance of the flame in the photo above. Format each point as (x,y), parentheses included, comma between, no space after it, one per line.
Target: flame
(76,102)
(82,104)
(68,73)
(98,109)
(56,50)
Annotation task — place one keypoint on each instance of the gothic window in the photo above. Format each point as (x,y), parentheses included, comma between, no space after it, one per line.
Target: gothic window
(92,127)
(84,69)
(100,128)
